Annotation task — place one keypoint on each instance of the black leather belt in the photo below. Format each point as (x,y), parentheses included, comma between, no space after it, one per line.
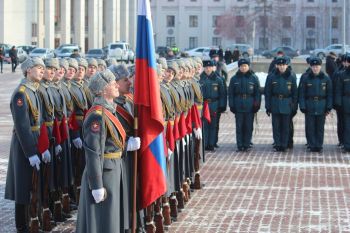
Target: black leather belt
(244,96)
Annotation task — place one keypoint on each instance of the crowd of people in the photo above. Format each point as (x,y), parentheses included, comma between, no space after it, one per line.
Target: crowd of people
(74,139)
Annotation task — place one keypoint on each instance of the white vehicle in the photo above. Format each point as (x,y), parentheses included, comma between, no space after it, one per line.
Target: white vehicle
(202,52)
(120,51)
(43,53)
(335,48)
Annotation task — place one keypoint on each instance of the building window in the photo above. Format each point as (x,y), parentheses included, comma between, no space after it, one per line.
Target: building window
(334,0)
(286,41)
(193,42)
(170,0)
(310,43)
(286,21)
(263,43)
(334,22)
(216,0)
(193,21)
(239,0)
(311,0)
(216,41)
(34,29)
(335,41)
(193,0)
(239,21)
(287,0)
(263,21)
(170,41)
(170,20)
(310,21)
(215,21)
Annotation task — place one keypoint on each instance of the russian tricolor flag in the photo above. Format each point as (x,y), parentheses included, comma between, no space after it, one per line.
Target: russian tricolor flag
(152,164)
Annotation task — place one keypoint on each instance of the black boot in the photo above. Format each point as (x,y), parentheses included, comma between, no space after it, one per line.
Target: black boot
(21,218)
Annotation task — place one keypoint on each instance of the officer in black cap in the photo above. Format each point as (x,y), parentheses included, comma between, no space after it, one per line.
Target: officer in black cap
(244,101)
(342,103)
(315,101)
(281,100)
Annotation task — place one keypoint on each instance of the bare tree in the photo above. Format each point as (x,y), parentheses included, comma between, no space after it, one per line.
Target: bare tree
(239,22)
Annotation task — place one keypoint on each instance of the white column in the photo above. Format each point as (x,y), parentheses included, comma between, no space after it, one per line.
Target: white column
(124,18)
(65,21)
(93,23)
(110,21)
(118,13)
(79,23)
(49,24)
(182,39)
(133,23)
(41,27)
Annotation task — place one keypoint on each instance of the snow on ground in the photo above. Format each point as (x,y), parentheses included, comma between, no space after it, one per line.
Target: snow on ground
(262,78)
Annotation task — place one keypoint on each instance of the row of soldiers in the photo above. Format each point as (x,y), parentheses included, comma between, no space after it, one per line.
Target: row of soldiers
(56,111)
(316,95)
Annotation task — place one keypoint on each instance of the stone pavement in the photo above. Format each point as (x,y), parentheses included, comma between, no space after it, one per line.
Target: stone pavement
(257,191)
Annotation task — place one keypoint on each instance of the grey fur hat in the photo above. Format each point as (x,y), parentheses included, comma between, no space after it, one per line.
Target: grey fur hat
(99,81)
(173,66)
(119,71)
(111,61)
(101,62)
(92,62)
(72,63)
(31,62)
(64,64)
(198,60)
(162,61)
(52,62)
(82,62)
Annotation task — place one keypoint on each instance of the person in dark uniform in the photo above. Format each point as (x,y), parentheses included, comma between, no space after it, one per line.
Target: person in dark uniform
(281,100)
(228,56)
(272,65)
(341,67)
(331,66)
(342,101)
(103,206)
(214,95)
(2,56)
(24,153)
(315,100)
(14,58)
(244,101)
(236,54)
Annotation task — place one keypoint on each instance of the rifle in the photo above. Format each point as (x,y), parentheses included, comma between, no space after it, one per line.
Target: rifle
(46,215)
(158,216)
(58,205)
(166,211)
(77,176)
(150,227)
(34,219)
(197,182)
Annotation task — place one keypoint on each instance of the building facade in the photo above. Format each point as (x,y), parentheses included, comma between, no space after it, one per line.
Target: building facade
(303,24)
(49,23)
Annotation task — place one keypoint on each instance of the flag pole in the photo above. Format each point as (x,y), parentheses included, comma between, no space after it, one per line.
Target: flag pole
(134,183)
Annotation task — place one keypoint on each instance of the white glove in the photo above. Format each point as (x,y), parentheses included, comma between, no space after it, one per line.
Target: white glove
(46,156)
(78,143)
(58,149)
(183,141)
(198,133)
(34,161)
(98,194)
(134,143)
(170,153)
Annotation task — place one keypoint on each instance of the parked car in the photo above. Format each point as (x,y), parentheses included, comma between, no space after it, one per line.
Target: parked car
(202,52)
(27,48)
(42,53)
(288,51)
(118,50)
(335,48)
(96,53)
(245,50)
(162,50)
(65,52)
(21,54)
(65,46)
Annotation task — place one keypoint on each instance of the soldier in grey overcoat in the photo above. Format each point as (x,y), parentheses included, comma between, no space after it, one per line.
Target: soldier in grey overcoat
(103,205)
(24,155)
